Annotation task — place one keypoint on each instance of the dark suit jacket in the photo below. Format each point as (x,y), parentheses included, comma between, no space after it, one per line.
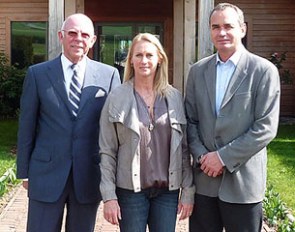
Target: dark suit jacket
(51,141)
(247,122)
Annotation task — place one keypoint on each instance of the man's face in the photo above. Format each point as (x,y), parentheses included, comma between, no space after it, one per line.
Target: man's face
(77,38)
(226,31)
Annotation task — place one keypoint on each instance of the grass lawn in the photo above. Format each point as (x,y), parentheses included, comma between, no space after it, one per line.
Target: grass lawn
(8,134)
(281,164)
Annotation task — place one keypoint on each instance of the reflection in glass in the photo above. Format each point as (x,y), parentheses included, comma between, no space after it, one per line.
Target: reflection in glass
(115,40)
(28,43)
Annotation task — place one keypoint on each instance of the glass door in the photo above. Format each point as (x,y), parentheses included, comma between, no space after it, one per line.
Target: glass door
(114,40)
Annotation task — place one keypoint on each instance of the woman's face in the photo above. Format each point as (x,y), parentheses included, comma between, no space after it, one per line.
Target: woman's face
(145,59)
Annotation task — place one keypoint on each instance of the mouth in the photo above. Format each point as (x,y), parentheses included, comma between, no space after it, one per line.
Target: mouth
(144,68)
(77,47)
(223,41)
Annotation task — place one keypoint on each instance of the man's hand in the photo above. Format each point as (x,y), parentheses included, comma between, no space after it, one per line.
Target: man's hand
(26,184)
(211,164)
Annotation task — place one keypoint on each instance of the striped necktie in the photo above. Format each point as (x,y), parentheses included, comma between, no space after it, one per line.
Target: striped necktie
(75,90)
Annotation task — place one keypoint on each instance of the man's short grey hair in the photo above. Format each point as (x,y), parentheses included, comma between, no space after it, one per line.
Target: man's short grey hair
(223,6)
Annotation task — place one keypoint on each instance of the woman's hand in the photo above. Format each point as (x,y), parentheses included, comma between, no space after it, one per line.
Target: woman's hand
(112,212)
(185,210)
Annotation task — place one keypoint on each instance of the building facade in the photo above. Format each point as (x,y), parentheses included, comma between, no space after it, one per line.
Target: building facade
(182,27)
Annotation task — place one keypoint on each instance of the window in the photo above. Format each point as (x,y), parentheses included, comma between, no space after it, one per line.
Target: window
(28,43)
(114,40)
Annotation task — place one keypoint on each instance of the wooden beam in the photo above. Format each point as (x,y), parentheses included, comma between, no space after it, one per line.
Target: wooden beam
(178,44)
(80,6)
(205,46)
(56,18)
(189,36)
(70,7)
(73,6)
(184,41)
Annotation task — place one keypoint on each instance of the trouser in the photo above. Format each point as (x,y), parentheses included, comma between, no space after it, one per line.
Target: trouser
(48,217)
(212,215)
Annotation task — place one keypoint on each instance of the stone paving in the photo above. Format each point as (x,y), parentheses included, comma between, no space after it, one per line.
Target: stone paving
(13,217)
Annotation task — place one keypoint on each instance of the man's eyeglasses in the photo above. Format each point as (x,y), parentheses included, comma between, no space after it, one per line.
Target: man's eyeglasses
(74,34)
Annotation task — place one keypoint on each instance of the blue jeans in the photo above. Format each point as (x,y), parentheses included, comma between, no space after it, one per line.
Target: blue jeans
(154,207)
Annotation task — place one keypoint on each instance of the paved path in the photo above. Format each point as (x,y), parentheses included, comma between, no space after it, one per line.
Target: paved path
(13,217)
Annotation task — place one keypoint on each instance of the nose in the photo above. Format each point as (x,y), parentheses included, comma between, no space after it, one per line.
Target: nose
(222,31)
(144,59)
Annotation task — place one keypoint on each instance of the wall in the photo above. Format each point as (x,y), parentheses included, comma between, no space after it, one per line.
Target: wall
(19,10)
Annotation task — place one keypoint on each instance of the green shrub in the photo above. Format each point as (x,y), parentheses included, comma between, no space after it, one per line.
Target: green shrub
(276,212)
(286,76)
(8,179)
(11,81)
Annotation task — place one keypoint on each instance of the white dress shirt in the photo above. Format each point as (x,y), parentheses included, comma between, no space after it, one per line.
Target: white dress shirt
(68,71)
(224,72)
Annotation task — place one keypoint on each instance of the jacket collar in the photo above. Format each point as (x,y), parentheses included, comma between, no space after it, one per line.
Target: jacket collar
(124,110)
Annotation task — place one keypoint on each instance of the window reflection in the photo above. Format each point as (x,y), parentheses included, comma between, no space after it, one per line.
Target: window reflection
(114,41)
(28,43)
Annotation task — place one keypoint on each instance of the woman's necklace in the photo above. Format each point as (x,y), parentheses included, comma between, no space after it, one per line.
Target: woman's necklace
(150,112)
(148,103)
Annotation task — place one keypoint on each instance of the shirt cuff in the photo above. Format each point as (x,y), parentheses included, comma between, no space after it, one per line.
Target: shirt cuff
(220,159)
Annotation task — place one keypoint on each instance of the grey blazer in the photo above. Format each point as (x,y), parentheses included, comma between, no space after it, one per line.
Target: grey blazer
(247,122)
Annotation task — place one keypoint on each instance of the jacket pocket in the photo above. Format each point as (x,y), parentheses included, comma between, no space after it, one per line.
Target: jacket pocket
(40,154)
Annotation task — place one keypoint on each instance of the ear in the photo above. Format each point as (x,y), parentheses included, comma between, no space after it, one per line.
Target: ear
(244,29)
(92,41)
(60,36)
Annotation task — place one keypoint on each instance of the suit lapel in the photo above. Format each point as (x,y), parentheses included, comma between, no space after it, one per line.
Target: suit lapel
(88,81)
(91,84)
(210,78)
(56,77)
(238,76)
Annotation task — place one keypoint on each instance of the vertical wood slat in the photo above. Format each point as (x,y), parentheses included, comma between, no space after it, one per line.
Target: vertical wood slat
(70,7)
(178,45)
(205,46)
(189,36)
(56,17)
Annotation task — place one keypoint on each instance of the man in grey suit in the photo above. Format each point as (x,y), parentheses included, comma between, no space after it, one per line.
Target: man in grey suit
(58,140)
(232,106)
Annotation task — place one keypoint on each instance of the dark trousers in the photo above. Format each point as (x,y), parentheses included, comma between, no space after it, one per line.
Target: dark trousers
(48,217)
(213,215)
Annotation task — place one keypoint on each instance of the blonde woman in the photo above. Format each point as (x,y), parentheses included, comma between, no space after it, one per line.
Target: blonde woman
(146,172)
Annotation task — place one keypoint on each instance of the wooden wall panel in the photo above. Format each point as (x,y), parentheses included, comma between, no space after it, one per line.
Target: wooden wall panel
(102,10)
(19,10)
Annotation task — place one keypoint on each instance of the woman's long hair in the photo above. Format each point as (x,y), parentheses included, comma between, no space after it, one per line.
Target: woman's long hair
(161,78)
